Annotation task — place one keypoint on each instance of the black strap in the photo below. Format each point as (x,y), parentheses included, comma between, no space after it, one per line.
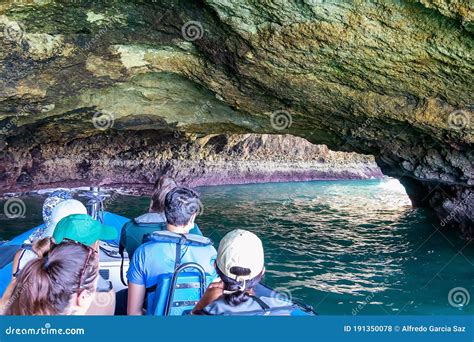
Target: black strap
(179,247)
(177,260)
(122,278)
(122,244)
(201,312)
(123,239)
(151,289)
(265,307)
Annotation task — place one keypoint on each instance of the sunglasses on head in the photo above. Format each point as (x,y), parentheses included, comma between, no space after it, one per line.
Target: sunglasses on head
(90,252)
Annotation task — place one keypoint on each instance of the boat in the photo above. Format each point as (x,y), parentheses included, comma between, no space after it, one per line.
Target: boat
(113,265)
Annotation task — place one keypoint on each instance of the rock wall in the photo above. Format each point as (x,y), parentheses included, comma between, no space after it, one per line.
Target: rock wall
(391,79)
(134,160)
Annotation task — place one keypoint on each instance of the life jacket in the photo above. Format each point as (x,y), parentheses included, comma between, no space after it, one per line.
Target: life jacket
(133,232)
(178,292)
(132,236)
(254,306)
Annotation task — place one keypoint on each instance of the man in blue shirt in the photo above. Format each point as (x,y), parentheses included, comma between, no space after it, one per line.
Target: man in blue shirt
(153,259)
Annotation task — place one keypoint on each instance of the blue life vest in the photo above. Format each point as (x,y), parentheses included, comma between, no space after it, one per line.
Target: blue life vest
(177,293)
(133,232)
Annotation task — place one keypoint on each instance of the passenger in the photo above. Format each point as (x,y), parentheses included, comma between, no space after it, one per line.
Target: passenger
(61,281)
(240,265)
(61,210)
(156,211)
(84,229)
(151,260)
(49,204)
(55,207)
(134,230)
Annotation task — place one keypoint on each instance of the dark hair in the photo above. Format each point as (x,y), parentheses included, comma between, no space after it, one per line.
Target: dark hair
(239,296)
(162,186)
(42,246)
(46,284)
(180,204)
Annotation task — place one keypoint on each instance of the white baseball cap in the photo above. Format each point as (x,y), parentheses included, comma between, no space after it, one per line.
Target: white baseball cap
(240,248)
(60,211)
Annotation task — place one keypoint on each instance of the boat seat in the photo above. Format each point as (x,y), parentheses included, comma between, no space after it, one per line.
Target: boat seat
(177,294)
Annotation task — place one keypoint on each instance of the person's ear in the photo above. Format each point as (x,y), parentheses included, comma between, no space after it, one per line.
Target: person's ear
(84,300)
(191,220)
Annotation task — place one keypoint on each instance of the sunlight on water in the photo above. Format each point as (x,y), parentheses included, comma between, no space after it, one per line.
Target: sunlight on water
(392,186)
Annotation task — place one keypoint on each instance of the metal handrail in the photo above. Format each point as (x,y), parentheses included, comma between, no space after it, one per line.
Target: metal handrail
(95,203)
(174,279)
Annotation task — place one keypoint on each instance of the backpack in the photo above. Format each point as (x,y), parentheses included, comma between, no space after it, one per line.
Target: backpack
(177,293)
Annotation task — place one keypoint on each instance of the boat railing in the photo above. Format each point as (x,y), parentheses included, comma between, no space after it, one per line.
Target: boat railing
(95,203)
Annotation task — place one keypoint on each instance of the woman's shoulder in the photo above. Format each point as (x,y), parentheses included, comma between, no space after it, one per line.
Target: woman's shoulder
(22,257)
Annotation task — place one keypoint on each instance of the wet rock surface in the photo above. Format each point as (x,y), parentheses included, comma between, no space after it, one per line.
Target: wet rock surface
(389,79)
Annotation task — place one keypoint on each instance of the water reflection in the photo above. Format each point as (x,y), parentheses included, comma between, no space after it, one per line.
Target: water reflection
(335,243)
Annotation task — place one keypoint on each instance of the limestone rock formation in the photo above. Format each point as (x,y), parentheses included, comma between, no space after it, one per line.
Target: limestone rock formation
(133,161)
(391,79)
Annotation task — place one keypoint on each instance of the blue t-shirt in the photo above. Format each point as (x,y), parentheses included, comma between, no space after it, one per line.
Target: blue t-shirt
(153,259)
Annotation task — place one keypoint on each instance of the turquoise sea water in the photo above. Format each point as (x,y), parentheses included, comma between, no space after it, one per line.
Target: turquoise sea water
(344,247)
